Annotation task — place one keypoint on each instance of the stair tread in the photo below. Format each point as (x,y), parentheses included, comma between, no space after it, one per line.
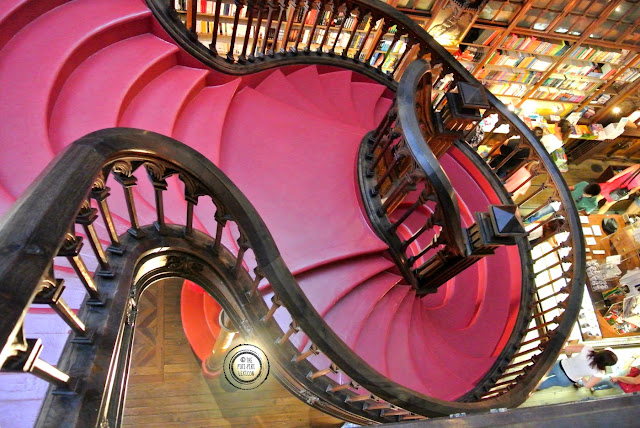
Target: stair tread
(279,87)
(161,101)
(371,343)
(54,40)
(296,211)
(307,81)
(347,317)
(19,13)
(337,86)
(381,109)
(365,96)
(77,111)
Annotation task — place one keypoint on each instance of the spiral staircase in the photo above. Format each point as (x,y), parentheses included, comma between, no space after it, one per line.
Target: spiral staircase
(332,208)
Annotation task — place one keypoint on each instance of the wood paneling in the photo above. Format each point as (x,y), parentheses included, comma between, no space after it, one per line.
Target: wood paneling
(167,389)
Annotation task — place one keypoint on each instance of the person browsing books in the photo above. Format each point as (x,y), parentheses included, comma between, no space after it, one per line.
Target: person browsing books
(553,142)
(588,365)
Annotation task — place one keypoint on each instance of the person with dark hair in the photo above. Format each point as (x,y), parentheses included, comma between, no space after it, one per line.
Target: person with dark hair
(553,142)
(516,160)
(585,195)
(587,364)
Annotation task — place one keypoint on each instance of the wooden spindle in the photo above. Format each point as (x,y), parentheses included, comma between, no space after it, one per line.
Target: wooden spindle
(192,15)
(293,329)
(556,320)
(221,218)
(364,40)
(292,10)
(281,15)
(243,246)
(313,350)
(159,186)
(320,9)
(396,39)
(305,12)
(340,28)
(236,18)
(342,387)
(51,294)
(256,33)
(86,216)
(271,7)
(216,26)
(272,310)
(419,202)
(358,398)
(245,44)
(259,275)
(128,182)
(354,31)
(71,250)
(100,195)
(383,30)
(407,49)
(332,9)
(314,375)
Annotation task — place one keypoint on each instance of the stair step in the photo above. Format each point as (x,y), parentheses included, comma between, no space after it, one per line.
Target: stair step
(61,47)
(347,317)
(372,341)
(365,97)
(338,90)
(158,105)
(381,109)
(201,123)
(79,109)
(261,144)
(279,87)
(18,14)
(307,82)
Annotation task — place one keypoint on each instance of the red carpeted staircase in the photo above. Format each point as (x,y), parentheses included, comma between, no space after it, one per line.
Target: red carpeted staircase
(289,139)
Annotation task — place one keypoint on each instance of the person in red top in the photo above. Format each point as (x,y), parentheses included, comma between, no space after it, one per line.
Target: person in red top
(629,383)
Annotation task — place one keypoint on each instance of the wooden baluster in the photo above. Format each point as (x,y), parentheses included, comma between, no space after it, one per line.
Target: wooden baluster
(354,29)
(376,41)
(313,350)
(292,11)
(100,193)
(245,44)
(156,176)
(376,406)
(366,37)
(342,387)
(192,14)
(552,250)
(396,39)
(123,173)
(408,212)
(272,7)
(436,241)
(293,329)
(533,195)
(399,192)
(345,15)
(243,246)
(332,9)
(556,320)
(532,213)
(410,44)
(256,33)
(51,294)
(320,8)
(398,156)
(221,218)
(393,135)
(281,15)
(26,359)
(428,225)
(564,290)
(259,275)
(272,309)
(358,398)
(566,277)
(86,216)
(305,13)
(239,6)
(331,369)
(188,227)
(383,126)
(71,250)
(216,25)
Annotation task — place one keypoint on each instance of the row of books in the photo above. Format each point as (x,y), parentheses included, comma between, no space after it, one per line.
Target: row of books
(534,45)
(378,58)
(553,94)
(529,62)
(471,53)
(528,77)
(578,85)
(593,54)
(630,75)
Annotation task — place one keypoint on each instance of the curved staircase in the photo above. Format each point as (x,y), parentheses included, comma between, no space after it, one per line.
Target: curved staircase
(289,139)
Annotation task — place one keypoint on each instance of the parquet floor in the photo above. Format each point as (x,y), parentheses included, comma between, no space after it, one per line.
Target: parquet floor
(166,387)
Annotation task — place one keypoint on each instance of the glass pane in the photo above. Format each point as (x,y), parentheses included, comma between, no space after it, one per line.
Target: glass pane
(424,5)
(614,33)
(490,10)
(597,8)
(632,14)
(544,21)
(601,30)
(527,20)
(507,12)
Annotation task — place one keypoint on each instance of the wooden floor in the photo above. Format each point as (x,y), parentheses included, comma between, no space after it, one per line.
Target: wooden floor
(167,389)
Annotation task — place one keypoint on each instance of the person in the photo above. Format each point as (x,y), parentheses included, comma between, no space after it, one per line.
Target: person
(587,364)
(516,160)
(584,194)
(553,142)
(628,383)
